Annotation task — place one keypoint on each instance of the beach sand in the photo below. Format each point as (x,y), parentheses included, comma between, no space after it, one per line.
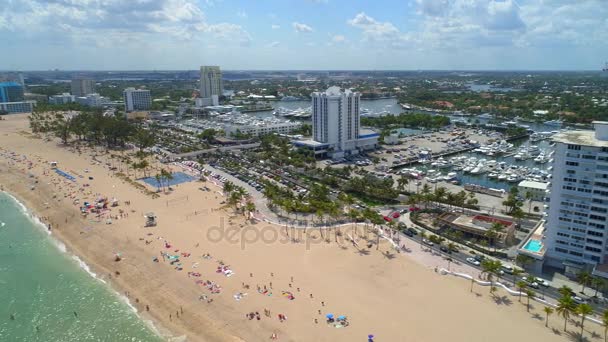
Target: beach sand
(392,297)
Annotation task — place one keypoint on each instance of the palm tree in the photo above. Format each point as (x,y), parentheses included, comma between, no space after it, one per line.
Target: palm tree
(529,199)
(491,268)
(516,273)
(565,306)
(598,283)
(521,286)
(422,237)
(565,291)
(157,177)
(548,311)
(439,194)
(605,324)
(228,187)
(426,190)
(530,294)
(583,310)
(523,260)
(250,207)
(584,278)
(401,183)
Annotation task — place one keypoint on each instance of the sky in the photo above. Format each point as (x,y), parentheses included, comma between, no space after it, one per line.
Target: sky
(304,34)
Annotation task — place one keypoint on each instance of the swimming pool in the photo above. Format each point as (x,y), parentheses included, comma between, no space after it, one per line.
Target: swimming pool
(178,178)
(533,246)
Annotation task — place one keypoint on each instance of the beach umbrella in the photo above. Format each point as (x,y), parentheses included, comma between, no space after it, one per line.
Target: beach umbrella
(342,317)
(329,316)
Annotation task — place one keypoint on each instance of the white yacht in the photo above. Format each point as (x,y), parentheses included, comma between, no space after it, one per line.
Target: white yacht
(554,123)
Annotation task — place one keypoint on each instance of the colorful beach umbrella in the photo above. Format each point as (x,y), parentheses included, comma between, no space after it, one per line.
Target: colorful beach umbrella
(329,316)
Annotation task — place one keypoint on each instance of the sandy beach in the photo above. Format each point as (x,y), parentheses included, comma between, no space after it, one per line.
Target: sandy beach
(382,292)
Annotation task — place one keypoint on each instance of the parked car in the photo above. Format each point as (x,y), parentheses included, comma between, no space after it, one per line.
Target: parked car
(445,249)
(428,242)
(412,230)
(473,261)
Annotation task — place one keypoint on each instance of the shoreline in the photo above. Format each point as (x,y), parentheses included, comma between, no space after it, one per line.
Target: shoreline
(66,244)
(154,326)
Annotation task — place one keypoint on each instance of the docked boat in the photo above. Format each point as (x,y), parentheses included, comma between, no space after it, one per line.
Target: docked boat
(554,123)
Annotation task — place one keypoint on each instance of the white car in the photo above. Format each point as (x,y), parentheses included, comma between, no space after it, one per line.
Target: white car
(543,282)
(532,282)
(579,300)
(473,261)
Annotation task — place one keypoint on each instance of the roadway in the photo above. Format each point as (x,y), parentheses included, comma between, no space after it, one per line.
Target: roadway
(215,149)
(507,279)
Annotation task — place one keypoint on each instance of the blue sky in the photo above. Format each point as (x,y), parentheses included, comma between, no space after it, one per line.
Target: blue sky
(304,34)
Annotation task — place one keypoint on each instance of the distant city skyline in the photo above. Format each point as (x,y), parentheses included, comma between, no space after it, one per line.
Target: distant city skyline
(305,35)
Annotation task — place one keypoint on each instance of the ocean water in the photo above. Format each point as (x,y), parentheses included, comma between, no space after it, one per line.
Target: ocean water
(48,295)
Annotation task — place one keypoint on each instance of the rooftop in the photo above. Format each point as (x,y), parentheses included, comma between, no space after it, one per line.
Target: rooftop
(596,138)
(335,91)
(534,185)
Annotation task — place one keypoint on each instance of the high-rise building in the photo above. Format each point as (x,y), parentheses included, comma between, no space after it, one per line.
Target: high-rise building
(137,99)
(211,82)
(335,124)
(11,92)
(576,235)
(82,87)
(335,116)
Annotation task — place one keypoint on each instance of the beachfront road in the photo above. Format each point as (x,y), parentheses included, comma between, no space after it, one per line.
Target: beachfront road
(459,261)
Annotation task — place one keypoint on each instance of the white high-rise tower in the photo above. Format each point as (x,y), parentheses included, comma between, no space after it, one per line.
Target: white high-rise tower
(211,82)
(335,117)
(576,235)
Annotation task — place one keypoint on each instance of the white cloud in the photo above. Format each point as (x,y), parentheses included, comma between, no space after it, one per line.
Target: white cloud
(376,31)
(275,27)
(92,20)
(273,44)
(301,28)
(242,14)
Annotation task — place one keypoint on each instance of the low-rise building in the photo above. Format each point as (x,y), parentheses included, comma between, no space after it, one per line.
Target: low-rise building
(38,98)
(64,98)
(477,226)
(261,129)
(92,100)
(538,190)
(17,107)
(391,139)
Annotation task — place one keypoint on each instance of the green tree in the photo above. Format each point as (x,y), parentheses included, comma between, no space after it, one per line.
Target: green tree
(529,197)
(521,286)
(584,278)
(228,187)
(144,138)
(402,182)
(529,294)
(548,311)
(565,307)
(583,310)
(523,260)
(605,324)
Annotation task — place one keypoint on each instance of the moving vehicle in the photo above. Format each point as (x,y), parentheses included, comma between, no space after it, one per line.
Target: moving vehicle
(473,261)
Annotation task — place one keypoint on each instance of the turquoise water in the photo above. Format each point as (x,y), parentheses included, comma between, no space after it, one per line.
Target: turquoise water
(533,246)
(42,288)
